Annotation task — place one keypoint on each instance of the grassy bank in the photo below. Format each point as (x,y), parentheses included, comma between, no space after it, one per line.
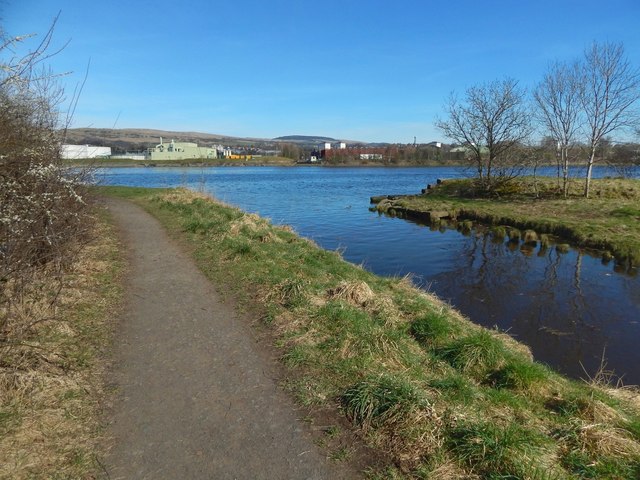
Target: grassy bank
(51,374)
(609,221)
(438,396)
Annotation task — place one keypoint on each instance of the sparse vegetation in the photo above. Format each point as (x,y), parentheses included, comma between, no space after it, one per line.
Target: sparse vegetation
(440,396)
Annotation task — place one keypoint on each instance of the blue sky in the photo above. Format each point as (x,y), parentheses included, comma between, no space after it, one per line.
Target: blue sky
(363,70)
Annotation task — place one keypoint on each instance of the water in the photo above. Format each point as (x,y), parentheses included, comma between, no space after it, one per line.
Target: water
(570,309)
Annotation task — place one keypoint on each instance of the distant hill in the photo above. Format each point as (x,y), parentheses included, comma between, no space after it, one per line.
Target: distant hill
(305,139)
(138,139)
(135,139)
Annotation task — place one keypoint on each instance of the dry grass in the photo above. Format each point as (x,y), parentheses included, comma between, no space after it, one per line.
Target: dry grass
(249,222)
(449,470)
(183,195)
(51,383)
(602,439)
(357,293)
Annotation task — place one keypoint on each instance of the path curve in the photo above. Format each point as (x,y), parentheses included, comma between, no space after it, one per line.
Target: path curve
(197,398)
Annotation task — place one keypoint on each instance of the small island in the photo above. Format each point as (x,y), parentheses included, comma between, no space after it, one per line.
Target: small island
(535,210)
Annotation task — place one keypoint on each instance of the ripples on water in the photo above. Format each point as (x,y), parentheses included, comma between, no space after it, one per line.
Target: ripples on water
(569,308)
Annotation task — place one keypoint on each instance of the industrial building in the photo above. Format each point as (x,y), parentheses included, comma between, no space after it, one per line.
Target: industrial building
(179,151)
(359,152)
(75,152)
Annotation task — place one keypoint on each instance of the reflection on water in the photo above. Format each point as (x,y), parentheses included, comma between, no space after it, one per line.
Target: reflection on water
(570,308)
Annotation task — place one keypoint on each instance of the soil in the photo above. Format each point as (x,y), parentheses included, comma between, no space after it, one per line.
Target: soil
(197,395)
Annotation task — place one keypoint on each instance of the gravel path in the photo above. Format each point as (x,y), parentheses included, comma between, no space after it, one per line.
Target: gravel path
(197,398)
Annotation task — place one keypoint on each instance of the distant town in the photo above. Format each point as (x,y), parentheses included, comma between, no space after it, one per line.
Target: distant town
(153,147)
(299,149)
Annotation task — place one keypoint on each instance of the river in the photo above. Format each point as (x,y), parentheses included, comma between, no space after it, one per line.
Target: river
(571,309)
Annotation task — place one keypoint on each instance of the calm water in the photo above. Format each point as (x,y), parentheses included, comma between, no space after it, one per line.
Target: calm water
(570,309)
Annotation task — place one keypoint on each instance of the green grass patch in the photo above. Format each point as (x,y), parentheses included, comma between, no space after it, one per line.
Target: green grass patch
(476,354)
(379,399)
(494,451)
(434,328)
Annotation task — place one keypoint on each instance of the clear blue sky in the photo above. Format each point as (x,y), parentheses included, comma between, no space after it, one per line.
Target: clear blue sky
(374,70)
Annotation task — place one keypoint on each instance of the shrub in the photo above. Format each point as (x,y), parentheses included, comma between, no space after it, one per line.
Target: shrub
(42,206)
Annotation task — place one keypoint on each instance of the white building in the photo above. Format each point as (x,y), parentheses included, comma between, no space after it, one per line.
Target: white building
(75,152)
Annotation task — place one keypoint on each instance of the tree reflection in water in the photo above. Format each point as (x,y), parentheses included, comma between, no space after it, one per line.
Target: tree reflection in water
(569,308)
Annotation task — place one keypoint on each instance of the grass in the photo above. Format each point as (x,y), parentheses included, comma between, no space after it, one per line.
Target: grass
(436,395)
(52,385)
(609,221)
(376,400)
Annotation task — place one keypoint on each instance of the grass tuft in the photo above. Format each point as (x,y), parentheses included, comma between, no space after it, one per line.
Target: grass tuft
(494,451)
(476,354)
(356,293)
(520,375)
(434,328)
(380,399)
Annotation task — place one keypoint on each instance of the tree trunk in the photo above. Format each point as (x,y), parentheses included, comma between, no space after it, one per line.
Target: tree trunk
(565,172)
(589,170)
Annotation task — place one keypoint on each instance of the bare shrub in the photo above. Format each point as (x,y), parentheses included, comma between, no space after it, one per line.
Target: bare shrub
(42,204)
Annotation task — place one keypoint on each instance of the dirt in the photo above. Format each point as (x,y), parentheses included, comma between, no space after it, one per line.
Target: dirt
(197,397)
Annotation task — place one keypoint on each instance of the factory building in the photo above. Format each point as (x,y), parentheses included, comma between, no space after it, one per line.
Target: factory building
(357,152)
(75,152)
(179,151)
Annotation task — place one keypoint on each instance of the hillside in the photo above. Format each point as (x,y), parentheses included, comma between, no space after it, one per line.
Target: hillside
(137,139)
(133,139)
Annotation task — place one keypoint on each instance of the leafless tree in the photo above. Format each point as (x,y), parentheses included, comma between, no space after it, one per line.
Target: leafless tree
(609,95)
(557,98)
(491,122)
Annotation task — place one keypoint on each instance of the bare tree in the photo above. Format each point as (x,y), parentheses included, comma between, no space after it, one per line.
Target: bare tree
(558,106)
(291,150)
(609,93)
(491,122)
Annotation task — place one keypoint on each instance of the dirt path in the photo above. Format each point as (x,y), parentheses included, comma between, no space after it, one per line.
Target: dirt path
(196,397)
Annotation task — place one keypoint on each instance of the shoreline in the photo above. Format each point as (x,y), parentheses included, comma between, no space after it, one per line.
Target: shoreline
(608,223)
